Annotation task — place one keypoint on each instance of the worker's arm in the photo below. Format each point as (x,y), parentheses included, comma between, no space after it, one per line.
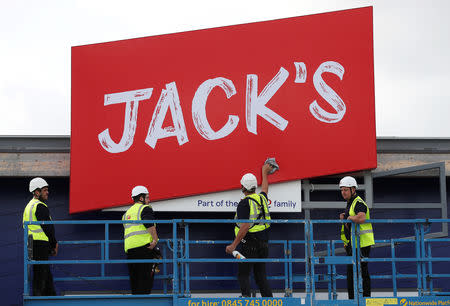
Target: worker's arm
(147,214)
(359,218)
(43,214)
(154,234)
(243,230)
(266,168)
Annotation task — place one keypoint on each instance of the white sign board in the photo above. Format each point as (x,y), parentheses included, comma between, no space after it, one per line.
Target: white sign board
(283,197)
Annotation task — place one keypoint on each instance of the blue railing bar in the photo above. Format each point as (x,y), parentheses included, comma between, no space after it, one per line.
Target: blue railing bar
(83,242)
(387,276)
(234,221)
(410,259)
(106,278)
(399,240)
(428,240)
(385,221)
(101,241)
(433,275)
(206,278)
(226,241)
(99,222)
(273,260)
(237,221)
(97,261)
(109,296)
(297,278)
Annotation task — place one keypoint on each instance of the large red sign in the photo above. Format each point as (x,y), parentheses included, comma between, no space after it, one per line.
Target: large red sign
(190,113)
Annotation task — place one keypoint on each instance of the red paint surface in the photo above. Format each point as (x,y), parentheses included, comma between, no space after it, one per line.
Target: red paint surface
(306,148)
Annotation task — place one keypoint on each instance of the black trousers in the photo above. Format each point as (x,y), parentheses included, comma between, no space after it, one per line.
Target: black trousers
(254,248)
(365,252)
(141,274)
(42,277)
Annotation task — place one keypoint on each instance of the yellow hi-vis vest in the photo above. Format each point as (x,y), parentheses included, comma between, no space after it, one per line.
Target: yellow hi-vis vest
(366,237)
(135,234)
(29,214)
(258,210)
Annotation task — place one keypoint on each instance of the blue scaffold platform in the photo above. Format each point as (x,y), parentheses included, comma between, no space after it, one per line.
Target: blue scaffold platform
(309,267)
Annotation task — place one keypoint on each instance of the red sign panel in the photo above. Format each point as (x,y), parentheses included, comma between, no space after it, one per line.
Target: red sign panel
(191,112)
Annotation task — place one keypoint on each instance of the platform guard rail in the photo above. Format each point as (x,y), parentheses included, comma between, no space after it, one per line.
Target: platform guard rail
(177,281)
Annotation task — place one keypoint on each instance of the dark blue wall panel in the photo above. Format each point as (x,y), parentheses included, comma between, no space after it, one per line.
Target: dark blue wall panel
(14,196)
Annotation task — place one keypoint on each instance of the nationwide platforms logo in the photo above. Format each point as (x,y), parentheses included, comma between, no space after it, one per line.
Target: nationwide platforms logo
(433,302)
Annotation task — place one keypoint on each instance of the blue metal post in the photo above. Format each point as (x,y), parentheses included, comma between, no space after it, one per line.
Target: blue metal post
(102,251)
(286,270)
(310,256)
(165,269)
(355,263)
(430,268)
(291,283)
(181,267)
(26,289)
(308,261)
(175,261)
(329,272)
(107,241)
(419,274)
(394,270)
(186,240)
(358,265)
(333,279)
(423,257)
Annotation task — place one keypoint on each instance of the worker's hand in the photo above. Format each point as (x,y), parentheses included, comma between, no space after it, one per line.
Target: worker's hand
(349,218)
(341,216)
(230,248)
(266,168)
(152,245)
(55,250)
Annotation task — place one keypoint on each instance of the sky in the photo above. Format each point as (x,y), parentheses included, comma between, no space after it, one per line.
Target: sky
(411,53)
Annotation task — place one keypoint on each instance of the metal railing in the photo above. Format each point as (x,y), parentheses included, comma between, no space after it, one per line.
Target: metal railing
(176,273)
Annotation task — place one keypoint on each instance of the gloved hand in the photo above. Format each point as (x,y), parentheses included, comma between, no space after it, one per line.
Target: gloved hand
(271,161)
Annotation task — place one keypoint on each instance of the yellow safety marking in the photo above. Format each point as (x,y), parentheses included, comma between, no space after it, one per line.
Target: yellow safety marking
(381,301)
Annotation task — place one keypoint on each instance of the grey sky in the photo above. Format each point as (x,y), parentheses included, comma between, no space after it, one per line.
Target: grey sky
(411,39)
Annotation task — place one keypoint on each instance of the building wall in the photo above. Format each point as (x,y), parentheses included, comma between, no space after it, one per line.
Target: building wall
(14,195)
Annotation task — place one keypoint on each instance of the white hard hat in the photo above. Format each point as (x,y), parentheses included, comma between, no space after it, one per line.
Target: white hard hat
(348,181)
(249,181)
(37,183)
(138,190)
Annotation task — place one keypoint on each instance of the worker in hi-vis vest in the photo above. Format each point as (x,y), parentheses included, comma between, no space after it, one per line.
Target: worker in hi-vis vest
(41,237)
(358,212)
(253,237)
(140,240)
